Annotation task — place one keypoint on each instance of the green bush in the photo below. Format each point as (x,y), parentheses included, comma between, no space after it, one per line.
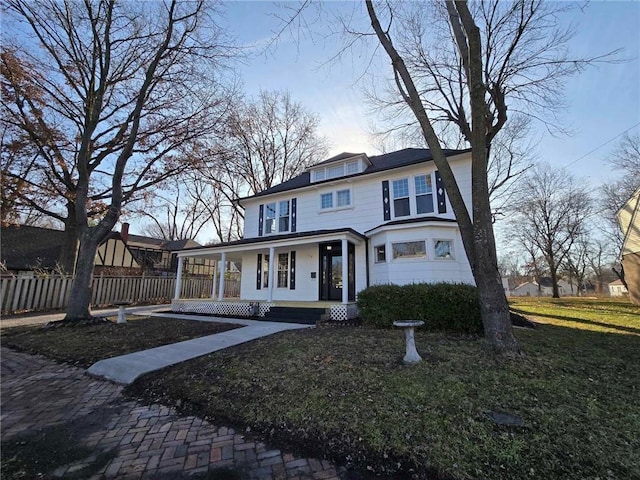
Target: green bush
(443,306)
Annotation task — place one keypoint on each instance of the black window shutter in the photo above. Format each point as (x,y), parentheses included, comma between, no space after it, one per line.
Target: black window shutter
(386,204)
(442,204)
(260,220)
(292,270)
(293,214)
(259,277)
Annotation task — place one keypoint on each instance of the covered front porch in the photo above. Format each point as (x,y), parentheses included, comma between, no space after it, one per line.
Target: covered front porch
(319,270)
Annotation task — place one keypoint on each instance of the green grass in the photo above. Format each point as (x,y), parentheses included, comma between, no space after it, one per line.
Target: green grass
(344,394)
(83,345)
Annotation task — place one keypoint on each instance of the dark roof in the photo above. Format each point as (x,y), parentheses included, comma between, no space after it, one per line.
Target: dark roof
(413,220)
(23,247)
(287,236)
(379,163)
(142,241)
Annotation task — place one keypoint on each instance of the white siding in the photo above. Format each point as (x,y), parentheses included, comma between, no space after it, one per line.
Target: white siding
(404,271)
(366,211)
(307,288)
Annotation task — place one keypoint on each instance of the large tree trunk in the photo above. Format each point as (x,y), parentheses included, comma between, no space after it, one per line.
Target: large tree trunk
(78,307)
(69,251)
(554,281)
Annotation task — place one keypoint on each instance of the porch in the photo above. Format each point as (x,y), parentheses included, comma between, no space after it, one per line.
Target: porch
(273,310)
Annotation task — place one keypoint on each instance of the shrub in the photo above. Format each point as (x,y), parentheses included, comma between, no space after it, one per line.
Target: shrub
(443,306)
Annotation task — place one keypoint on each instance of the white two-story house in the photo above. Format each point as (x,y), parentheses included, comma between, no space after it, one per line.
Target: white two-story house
(344,224)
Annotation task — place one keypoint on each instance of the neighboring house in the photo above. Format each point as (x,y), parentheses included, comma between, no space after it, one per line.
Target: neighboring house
(344,224)
(629,220)
(25,250)
(543,289)
(156,256)
(617,289)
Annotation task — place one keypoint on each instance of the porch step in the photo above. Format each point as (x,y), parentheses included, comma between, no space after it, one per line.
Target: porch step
(307,316)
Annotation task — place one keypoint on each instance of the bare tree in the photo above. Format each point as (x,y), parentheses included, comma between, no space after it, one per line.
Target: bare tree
(270,140)
(459,69)
(126,87)
(549,215)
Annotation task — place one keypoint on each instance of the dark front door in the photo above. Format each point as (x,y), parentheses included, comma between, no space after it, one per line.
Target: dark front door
(331,281)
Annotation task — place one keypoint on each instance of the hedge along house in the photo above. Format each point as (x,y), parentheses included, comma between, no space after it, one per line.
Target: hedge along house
(344,224)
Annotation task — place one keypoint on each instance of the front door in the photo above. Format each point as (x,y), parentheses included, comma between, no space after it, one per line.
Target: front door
(331,281)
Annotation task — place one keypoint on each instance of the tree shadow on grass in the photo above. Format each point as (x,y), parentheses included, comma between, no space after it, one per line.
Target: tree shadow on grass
(621,328)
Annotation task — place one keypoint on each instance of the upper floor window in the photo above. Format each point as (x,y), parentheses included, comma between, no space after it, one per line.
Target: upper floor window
(352,167)
(270,218)
(401,198)
(412,196)
(335,171)
(424,194)
(337,199)
(276,217)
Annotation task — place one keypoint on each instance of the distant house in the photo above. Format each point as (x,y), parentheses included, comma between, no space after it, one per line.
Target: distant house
(617,289)
(542,289)
(25,249)
(629,220)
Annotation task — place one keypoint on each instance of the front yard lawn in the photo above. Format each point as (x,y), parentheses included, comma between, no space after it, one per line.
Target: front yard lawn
(343,393)
(83,345)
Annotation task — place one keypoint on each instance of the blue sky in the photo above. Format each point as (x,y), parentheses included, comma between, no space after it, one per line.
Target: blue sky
(602,102)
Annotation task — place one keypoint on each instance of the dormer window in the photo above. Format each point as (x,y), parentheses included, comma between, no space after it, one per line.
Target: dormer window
(335,171)
(340,166)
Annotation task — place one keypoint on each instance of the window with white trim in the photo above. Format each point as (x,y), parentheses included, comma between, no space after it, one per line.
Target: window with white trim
(277,217)
(335,171)
(352,167)
(318,175)
(283,216)
(283,270)
(265,271)
(401,198)
(424,194)
(443,249)
(335,200)
(409,250)
(381,253)
(270,218)
(343,198)
(326,200)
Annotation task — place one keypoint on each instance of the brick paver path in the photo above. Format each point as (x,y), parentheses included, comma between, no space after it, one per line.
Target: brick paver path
(149,442)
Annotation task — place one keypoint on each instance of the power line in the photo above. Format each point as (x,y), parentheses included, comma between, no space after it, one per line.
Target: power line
(602,145)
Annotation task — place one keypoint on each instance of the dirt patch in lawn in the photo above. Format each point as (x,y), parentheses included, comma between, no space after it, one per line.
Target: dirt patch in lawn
(83,345)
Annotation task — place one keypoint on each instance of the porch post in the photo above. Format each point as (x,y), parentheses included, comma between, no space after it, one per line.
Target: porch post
(222,267)
(272,251)
(176,295)
(345,271)
(213,279)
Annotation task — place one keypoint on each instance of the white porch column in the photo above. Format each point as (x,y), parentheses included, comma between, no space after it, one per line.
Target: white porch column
(345,271)
(213,280)
(272,253)
(222,266)
(176,295)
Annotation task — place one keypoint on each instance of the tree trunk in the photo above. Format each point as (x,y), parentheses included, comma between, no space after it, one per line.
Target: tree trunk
(69,251)
(78,307)
(554,282)
(494,308)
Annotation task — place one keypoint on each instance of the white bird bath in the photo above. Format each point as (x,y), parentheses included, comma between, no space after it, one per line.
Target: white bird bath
(411,354)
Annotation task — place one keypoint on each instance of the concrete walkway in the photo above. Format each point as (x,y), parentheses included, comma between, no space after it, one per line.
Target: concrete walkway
(126,368)
(129,440)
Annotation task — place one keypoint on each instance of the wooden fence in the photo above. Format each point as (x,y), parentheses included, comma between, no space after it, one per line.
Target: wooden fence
(19,294)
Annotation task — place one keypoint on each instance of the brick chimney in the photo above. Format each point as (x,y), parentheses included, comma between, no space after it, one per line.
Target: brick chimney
(124,232)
